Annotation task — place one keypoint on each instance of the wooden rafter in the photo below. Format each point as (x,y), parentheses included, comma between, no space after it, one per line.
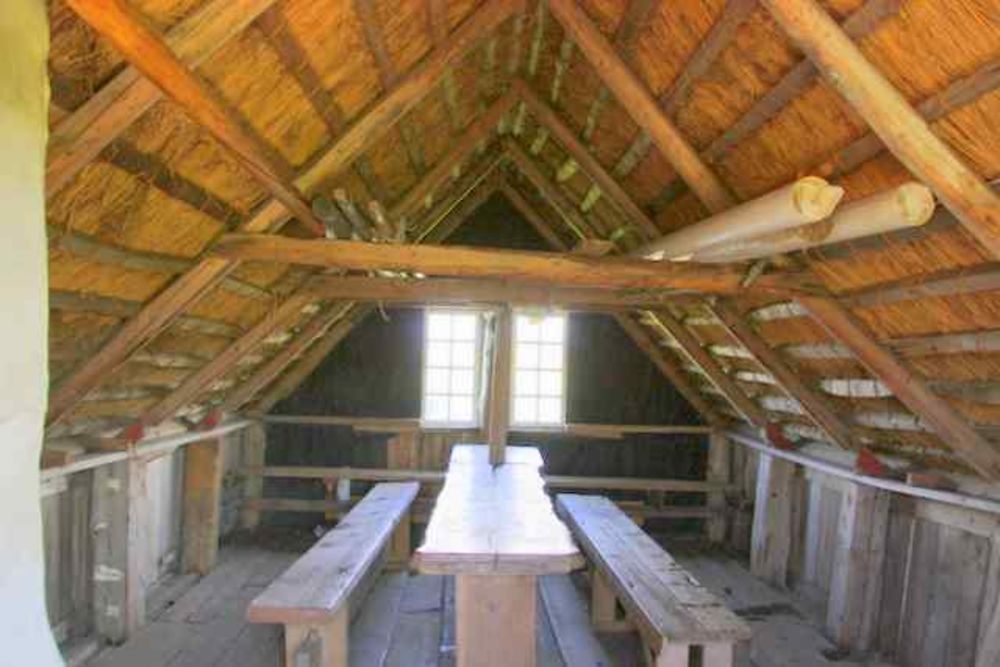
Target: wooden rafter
(946,283)
(700,357)
(531,215)
(146,50)
(891,117)
(956,433)
(81,136)
(640,104)
(817,408)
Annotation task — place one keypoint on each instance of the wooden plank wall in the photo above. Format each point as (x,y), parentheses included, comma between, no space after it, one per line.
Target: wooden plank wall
(937,578)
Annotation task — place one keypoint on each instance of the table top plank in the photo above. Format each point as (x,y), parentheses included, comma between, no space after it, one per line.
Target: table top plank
(663,598)
(495,520)
(321,580)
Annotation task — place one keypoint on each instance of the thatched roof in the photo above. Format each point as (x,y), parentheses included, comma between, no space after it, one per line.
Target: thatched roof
(132,212)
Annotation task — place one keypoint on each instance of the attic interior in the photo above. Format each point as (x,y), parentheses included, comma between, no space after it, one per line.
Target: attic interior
(501,332)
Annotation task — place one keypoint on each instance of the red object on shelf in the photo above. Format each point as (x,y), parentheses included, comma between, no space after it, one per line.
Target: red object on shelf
(870,464)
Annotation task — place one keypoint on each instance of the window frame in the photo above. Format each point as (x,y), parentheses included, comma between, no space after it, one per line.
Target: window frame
(477,378)
(539,426)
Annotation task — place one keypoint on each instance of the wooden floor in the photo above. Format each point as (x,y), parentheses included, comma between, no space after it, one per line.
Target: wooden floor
(408,620)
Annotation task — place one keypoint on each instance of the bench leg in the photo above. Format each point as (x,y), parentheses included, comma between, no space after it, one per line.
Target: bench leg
(322,645)
(717,655)
(495,620)
(604,605)
(674,655)
(399,545)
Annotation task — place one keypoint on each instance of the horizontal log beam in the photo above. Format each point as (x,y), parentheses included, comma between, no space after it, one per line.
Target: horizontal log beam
(462,261)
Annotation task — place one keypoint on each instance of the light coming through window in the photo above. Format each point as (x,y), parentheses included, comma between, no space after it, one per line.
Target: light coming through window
(451,368)
(539,376)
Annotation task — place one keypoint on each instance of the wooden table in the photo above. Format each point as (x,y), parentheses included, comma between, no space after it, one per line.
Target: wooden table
(496,531)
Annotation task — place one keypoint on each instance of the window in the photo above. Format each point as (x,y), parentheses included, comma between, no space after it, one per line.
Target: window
(451,367)
(539,376)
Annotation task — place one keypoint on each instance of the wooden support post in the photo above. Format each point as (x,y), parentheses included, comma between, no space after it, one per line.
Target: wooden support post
(319,645)
(772,521)
(718,472)
(119,589)
(399,545)
(856,581)
(604,605)
(202,495)
(498,409)
(254,439)
(495,620)
(988,652)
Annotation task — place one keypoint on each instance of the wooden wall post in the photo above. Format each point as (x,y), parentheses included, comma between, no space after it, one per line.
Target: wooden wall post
(254,440)
(772,520)
(498,409)
(202,495)
(856,580)
(717,471)
(118,526)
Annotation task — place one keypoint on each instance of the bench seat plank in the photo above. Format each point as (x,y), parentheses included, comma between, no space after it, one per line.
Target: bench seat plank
(319,583)
(665,602)
(495,520)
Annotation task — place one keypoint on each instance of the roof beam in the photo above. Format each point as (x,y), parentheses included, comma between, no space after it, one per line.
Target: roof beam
(640,104)
(80,137)
(958,435)
(942,284)
(467,290)
(460,261)
(128,31)
(701,358)
(816,407)
(531,215)
(891,117)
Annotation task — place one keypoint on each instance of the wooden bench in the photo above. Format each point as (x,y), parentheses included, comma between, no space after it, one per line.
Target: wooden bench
(677,618)
(313,597)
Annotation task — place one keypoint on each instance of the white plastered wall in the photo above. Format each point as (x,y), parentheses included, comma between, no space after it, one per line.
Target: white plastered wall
(24,36)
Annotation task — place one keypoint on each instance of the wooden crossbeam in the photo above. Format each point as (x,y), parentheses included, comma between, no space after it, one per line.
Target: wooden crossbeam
(460,261)
(640,104)
(817,408)
(465,290)
(128,31)
(284,315)
(80,137)
(701,358)
(956,433)
(547,117)
(891,117)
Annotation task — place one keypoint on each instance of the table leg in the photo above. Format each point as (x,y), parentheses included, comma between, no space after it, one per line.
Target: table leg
(495,620)
(322,645)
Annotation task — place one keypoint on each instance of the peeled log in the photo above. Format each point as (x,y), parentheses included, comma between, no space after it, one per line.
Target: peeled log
(805,201)
(909,205)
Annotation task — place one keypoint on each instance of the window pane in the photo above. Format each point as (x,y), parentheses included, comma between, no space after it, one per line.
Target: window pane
(550,383)
(438,354)
(551,357)
(461,409)
(525,410)
(462,381)
(526,383)
(463,326)
(438,326)
(436,381)
(436,408)
(528,328)
(550,410)
(463,355)
(553,329)
(527,355)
